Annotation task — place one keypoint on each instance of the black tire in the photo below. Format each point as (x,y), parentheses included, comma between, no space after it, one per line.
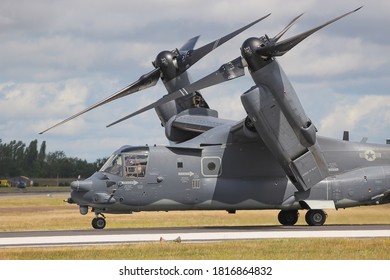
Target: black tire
(98,223)
(288,218)
(315,217)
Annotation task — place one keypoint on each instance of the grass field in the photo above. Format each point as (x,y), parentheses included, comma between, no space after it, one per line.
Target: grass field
(49,212)
(273,249)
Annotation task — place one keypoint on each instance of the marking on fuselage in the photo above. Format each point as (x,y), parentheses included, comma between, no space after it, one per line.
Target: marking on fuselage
(195,184)
(332,167)
(190,173)
(132,183)
(370,155)
(184,180)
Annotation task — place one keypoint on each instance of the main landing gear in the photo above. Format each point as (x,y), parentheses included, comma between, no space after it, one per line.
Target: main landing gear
(313,217)
(99,222)
(288,218)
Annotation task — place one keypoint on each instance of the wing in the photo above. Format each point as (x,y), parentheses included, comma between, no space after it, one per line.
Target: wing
(198,123)
(191,123)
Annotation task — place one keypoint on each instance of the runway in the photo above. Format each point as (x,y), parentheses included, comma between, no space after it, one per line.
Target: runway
(188,234)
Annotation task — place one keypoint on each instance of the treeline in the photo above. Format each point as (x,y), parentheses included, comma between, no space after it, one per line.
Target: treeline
(17,159)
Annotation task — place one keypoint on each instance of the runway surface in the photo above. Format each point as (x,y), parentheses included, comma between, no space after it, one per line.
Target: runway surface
(188,234)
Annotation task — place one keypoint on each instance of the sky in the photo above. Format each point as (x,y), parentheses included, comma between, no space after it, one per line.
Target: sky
(59,57)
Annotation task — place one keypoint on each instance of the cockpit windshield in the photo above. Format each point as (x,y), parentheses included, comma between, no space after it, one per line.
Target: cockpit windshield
(131,164)
(113,165)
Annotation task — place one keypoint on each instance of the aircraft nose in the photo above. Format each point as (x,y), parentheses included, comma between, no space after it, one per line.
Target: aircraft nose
(81,186)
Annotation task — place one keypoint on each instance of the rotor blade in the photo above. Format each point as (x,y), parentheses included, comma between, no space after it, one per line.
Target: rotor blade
(226,72)
(189,45)
(284,46)
(151,78)
(281,33)
(145,81)
(199,53)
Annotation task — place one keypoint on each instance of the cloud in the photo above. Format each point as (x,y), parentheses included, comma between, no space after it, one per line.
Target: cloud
(41,98)
(30,107)
(366,116)
(337,57)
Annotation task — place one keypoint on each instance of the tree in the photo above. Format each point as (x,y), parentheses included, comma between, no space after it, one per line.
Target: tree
(42,152)
(11,158)
(54,163)
(31,157)
(17,160)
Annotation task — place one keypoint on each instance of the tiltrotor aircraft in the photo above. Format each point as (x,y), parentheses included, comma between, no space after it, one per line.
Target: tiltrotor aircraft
(272,159)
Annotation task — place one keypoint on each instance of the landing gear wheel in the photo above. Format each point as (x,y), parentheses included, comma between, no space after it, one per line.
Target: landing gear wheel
(288,218)
(98,223)
(315,217)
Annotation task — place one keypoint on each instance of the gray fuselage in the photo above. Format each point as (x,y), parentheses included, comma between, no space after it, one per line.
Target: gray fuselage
(232,176)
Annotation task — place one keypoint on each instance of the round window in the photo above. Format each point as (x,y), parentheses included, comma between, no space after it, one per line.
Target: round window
(211,166)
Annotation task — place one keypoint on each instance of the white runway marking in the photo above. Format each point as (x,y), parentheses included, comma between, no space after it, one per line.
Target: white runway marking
(106,238)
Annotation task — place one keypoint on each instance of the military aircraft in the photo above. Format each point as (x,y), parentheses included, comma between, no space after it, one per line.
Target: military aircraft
(272,159)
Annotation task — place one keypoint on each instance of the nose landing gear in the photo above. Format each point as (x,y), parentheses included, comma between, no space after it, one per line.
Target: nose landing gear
(99,222)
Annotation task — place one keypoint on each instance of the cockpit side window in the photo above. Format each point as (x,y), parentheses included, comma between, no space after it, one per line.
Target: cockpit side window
(114,165)
(135,164)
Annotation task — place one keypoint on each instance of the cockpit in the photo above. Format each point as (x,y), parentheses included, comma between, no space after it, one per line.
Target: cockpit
(128,162)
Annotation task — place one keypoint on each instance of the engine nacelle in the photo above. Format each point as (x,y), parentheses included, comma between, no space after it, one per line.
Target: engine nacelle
(249,52)
(304,164)
(167,63)
(166,111)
